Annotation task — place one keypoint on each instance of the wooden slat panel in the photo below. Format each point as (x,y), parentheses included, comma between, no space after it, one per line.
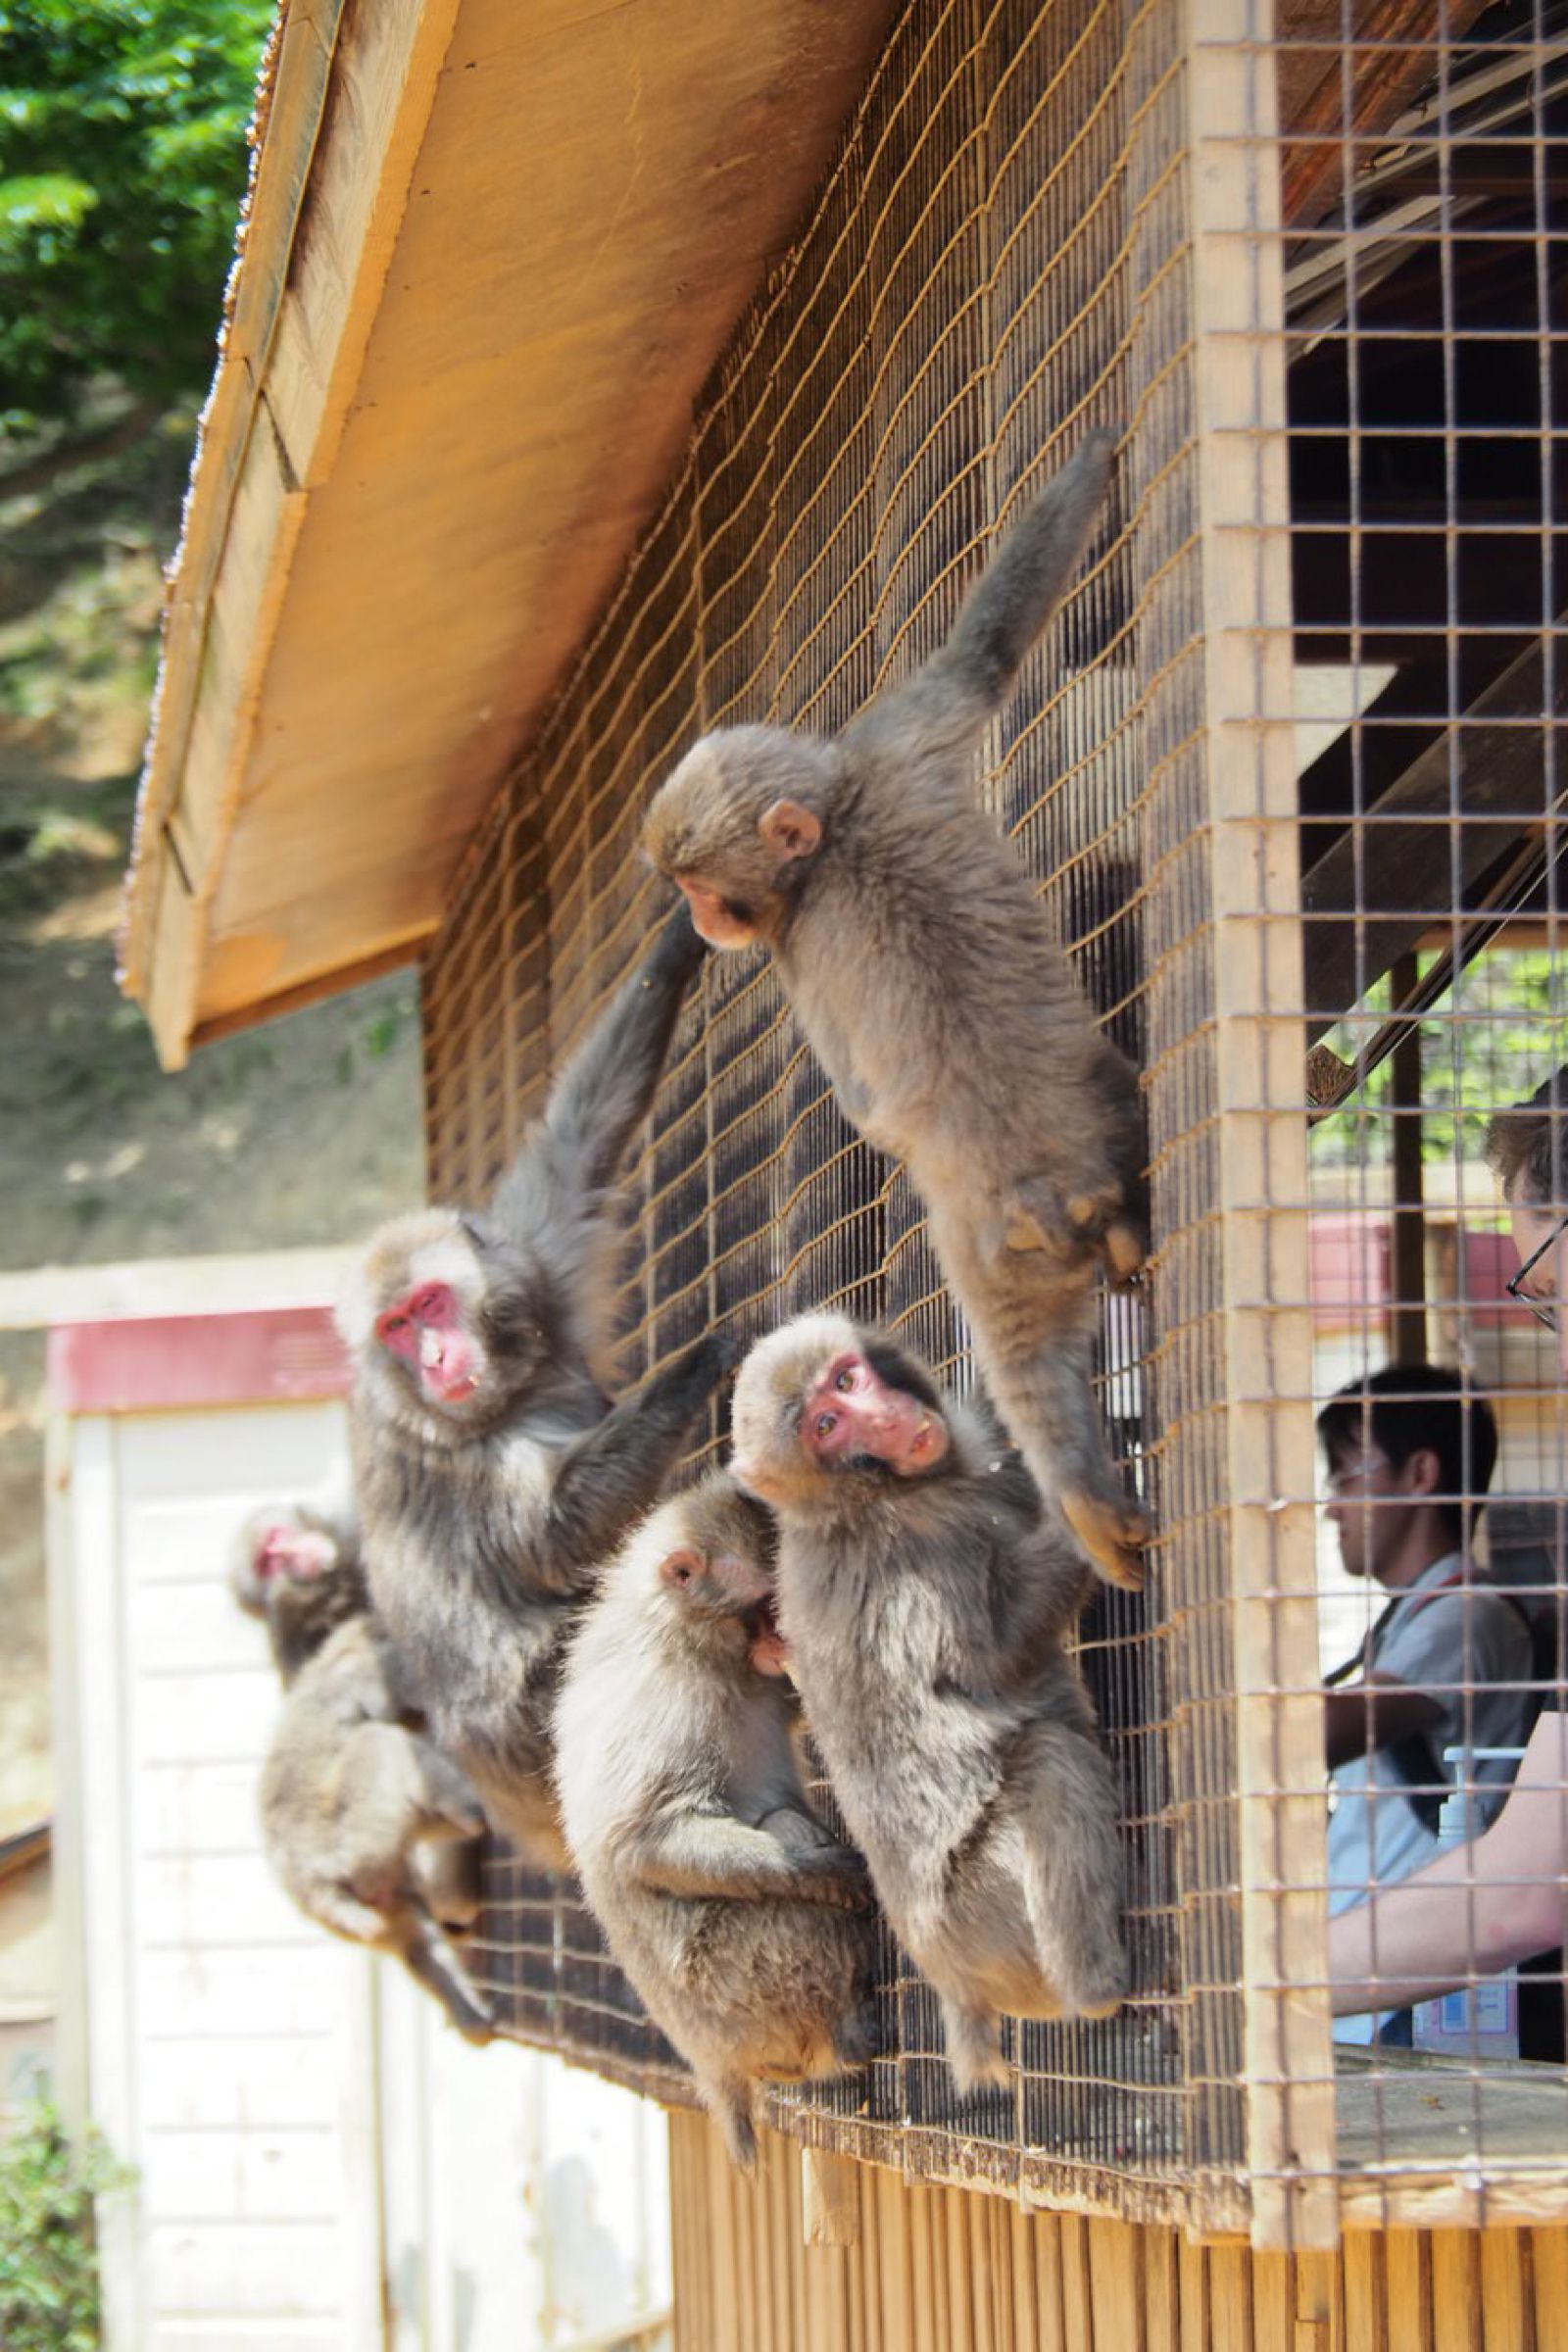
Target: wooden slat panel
(1366,2316)
(1505,2323)
(1229,2279)
(1456,2290)
(1409,2271)
(1549,2262)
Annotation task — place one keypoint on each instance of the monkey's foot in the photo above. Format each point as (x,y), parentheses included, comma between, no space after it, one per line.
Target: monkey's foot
(973,2038)
(1112,1531)
(1125,1252)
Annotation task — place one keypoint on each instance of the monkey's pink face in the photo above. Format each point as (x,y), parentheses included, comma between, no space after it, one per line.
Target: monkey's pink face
(716,919)
(300,1552)
(732,1586)
(851,1412)
(428,1331)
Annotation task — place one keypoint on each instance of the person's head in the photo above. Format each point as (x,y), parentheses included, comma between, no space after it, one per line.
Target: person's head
(1403,1447)
(1528,1146)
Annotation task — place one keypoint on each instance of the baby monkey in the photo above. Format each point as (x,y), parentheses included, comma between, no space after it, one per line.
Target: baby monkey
(741,1921)
(909,941)
(924,1596)
(370,1829)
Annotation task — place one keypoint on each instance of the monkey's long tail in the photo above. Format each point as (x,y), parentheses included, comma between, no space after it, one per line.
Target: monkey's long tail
(728,2099)
(1048,1403)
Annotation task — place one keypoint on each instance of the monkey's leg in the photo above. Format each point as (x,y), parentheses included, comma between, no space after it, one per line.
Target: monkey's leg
(1063,1801)
(698,1854)
(430,1960)
(1041,1386)
(615,1471)
(728,2100)
(446,1792)
(973,2038)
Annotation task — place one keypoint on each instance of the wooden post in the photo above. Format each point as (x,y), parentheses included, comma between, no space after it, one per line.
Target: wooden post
(1238,388)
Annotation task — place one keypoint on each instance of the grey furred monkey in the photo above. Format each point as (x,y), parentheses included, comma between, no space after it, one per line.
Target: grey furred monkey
(739,1918)
(492,1474)
(372,1832)
(297,1567)
(916,957)
(350,1795)
(924,1593)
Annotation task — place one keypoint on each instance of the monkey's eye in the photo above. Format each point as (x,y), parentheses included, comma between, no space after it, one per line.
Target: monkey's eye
(845,1381)
(391,1324)
(825,1425)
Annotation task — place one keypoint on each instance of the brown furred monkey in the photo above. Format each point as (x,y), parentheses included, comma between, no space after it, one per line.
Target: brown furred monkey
(492,1474)
(925,1595)
(372,1831)
(919,963)
(740,1919)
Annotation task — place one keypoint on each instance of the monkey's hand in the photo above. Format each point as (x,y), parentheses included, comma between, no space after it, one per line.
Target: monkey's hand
(615,1472)
(696,1855)
(678,952)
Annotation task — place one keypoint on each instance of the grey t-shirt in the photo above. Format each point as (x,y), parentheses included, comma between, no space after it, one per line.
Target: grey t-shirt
(1468,1649)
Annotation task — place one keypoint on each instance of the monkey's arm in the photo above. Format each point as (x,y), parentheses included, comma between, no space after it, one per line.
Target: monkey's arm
(943,705)
(615,1470)
(600,1100)
(695,1854)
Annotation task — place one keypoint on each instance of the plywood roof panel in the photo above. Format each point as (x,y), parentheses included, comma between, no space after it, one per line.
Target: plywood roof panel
(524,233)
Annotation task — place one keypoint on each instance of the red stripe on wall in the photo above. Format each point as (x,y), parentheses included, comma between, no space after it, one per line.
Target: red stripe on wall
(146,1363)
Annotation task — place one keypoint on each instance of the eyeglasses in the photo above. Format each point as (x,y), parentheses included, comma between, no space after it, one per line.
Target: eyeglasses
(1545,1310)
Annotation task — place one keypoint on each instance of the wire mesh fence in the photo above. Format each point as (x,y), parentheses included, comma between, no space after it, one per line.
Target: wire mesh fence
(1286,773)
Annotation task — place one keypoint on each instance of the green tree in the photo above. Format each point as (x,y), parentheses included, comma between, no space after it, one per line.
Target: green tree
(48,2261)
(122,161)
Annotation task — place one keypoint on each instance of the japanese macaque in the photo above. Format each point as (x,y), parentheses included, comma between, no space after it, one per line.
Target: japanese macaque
(351,1797)
(924,1598)
(298,1568)
(920,965)
(737,1915)
(493,1475)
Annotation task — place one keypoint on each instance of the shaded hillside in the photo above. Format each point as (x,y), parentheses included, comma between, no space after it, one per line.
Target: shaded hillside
(307,1131)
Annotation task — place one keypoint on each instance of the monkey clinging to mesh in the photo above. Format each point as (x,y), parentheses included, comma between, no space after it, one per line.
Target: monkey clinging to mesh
(371,1831)
(919,963)
(924,1596)
(493,1474)
(740,1919)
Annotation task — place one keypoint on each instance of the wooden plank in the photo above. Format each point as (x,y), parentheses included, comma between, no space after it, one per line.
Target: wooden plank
(1116,2282)
(1456,2290)
(1051,2321)
(1192,2270)
(830,2198)
(1383,82)
(1366,2318)
(1273,2301)
(1407,2267)
(1230,2282)
(1161,2291)
(928,2268)
(891,2203)
(1077,2286)
(957,2260)
(1504,2291)
(1319,2296)
(1238,392)
(1549,2264)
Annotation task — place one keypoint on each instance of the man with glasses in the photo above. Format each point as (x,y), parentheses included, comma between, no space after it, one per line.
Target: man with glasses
(1448,1661)
(1499,1900)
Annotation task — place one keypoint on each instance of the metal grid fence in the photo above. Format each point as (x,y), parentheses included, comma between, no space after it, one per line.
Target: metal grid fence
(1047,215)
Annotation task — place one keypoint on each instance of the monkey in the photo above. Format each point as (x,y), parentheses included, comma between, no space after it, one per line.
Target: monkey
(297,1567)
(492,1472)
(919,962)
(926,1600)
(740,1919)
(350,1795)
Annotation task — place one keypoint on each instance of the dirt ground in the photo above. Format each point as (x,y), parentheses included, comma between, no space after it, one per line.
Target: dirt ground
(305,1131)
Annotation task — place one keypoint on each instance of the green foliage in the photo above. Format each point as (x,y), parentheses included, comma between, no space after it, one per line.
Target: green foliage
(48,2261)
(122,165)
(1489,1041)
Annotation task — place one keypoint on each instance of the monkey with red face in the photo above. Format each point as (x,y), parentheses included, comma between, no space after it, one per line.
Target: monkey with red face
(297,1566)
(737,1915)
(925,1596)
(493,1474)
(920,965)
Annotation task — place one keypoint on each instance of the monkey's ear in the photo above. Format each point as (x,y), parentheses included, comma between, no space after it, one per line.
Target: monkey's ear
(790,830)
(679,1567)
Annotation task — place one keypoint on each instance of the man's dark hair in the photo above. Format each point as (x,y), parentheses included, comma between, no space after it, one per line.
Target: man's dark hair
(1418,1408)
(1527,1146)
